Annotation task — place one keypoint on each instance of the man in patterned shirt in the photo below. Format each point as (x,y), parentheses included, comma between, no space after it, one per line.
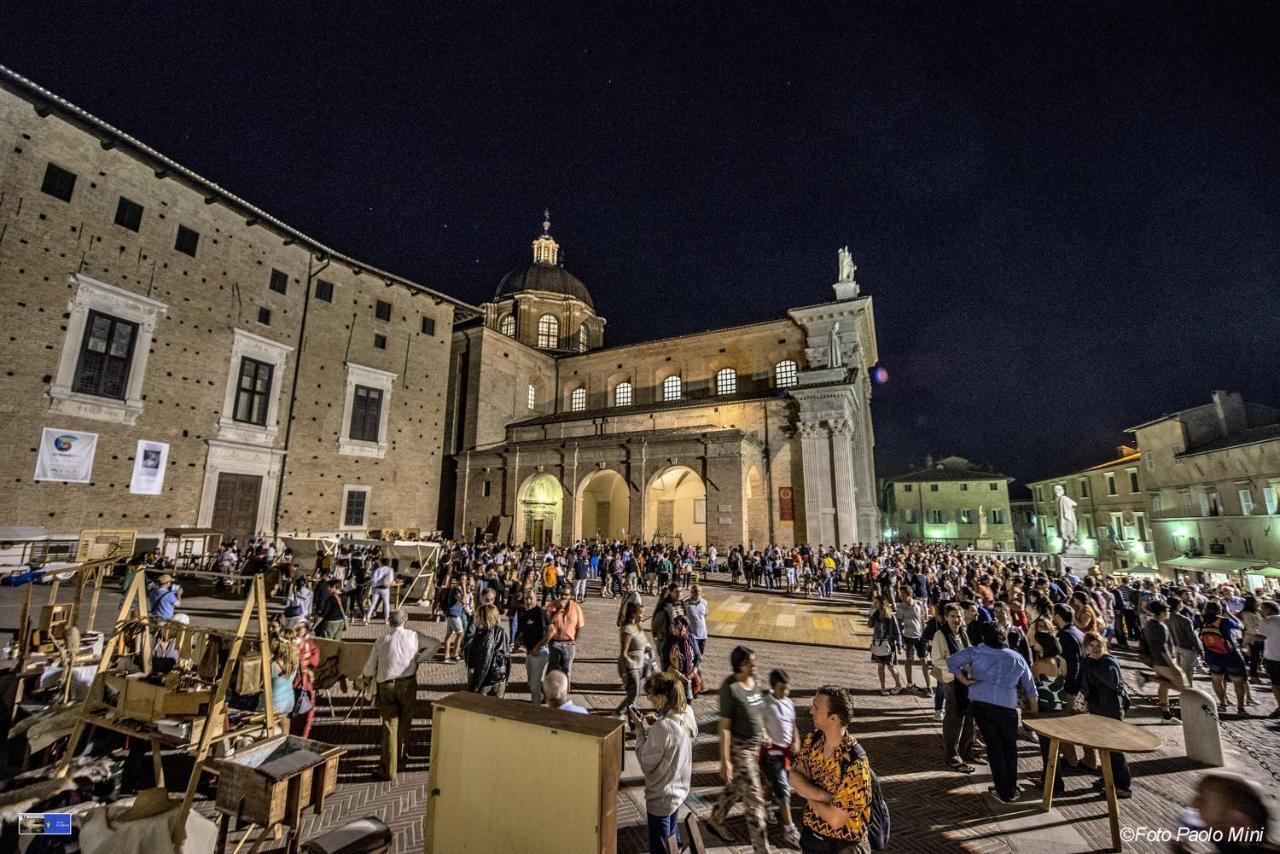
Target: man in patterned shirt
(833,775)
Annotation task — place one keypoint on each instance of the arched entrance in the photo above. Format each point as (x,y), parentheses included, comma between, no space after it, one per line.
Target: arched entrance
(676,507)
(603,506)
(539,511)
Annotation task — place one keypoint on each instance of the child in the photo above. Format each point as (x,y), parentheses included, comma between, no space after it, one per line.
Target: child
(780,727)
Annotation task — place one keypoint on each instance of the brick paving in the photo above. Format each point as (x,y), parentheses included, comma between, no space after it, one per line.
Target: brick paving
(933,810)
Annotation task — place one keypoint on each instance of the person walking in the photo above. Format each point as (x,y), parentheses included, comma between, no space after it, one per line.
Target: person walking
(695,611)
(886,639)
(912,614)
(1104,694)
(304,705)
(741,732)
(957,720)
(331,619)
(635,655)
(1269,630)
(1157,652)
(1187,648)
(664,748)
(997,676)
(380,591)
(564,622)
(488,654)
(1222,654)
(533,628)
(783,747)
(393,665)
(833,775)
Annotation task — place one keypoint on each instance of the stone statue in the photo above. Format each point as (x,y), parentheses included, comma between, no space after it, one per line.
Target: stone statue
(836,358)
(1067,528)
(846,264)
(982,521)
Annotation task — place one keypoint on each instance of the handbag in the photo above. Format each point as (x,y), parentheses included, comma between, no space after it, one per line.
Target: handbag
(302,702)
(883,648)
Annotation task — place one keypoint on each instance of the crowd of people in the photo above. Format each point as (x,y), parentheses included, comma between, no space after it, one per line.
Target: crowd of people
(993,640)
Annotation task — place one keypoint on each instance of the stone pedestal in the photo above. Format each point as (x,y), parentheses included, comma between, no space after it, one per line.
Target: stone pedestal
(1075,559)
(1200,727)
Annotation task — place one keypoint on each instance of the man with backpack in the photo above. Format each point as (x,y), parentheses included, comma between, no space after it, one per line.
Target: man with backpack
(844,811)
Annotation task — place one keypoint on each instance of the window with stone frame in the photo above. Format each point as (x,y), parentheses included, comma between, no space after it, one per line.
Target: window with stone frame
(582,338)
(106,353)
(532,397)
(507,326)
(622,394)
(355,507)
(366,414)
(548,332)
(578,400)
(726,381)
(672,388)
(786,374)
(253,392)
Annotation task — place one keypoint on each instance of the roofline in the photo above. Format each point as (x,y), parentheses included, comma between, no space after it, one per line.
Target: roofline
(47,102)
(685,335)
(1195,452)
(988,476)
(1128,458)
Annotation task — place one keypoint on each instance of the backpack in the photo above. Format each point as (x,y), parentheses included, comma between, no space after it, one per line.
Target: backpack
(1214,641)
(879,825)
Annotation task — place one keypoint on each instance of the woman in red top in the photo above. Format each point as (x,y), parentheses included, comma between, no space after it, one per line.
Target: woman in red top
(303,684)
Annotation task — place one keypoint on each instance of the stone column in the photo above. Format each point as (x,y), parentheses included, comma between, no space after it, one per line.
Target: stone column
(815,456)
(846,498)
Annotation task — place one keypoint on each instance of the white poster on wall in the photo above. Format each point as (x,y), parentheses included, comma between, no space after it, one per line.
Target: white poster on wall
(66,455)
(148,468)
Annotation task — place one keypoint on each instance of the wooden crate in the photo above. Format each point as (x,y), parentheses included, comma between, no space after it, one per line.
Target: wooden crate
(246,791)
(145,701)
(476,813)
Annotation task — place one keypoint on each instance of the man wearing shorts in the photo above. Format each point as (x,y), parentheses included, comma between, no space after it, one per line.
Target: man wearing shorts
(1269,629)
(1158,645)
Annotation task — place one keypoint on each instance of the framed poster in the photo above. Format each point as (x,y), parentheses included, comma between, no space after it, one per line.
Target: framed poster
(699,511)
(786,504)
(66,455)
(148,467)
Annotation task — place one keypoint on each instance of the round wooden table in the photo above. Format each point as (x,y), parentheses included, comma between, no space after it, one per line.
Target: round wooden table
(1104,735)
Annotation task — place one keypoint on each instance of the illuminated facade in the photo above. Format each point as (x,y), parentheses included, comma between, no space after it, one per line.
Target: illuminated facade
(949,500)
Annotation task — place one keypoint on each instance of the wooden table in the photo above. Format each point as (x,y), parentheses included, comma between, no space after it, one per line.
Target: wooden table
(1104,735)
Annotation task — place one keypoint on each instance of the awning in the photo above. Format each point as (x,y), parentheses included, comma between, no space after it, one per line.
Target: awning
(1214,564)
(1265,572)
(1137,570)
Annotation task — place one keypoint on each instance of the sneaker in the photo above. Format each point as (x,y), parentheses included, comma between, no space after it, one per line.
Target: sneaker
(938,716)
(1166,718)
(791,835)
(718,828)
(991,790)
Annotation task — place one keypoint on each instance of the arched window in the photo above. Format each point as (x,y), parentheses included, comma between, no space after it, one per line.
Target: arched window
(507,325)
(784,374)
(622,394)
(671,388)
(726,381)
(577,400)
(582,338)
(548,332)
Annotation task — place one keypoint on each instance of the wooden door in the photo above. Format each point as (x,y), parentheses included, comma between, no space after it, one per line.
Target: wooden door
(235,506)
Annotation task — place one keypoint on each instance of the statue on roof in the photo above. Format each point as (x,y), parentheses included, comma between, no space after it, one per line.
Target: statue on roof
(847,267)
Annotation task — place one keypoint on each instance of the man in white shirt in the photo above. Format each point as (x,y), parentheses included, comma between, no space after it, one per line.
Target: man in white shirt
(394,665)
(380,590)
(781,745)
(1269,629)
(695,611)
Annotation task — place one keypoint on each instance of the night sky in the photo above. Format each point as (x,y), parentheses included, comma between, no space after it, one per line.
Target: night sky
(1068,215)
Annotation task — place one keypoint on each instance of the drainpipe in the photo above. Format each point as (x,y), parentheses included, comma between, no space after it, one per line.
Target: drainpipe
(312,272)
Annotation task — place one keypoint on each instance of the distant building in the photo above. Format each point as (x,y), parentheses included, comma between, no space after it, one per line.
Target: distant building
(1026,528)
(1210,474)
(950,500)
(1111,512)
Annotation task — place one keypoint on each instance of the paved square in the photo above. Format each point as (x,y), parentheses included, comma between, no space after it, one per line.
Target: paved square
(788,619)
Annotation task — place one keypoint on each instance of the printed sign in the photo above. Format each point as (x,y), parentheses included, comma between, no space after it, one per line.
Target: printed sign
(148,467)
(66,455)
(786,504)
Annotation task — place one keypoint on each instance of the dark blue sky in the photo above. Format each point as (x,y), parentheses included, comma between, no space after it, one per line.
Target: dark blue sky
(1068,214)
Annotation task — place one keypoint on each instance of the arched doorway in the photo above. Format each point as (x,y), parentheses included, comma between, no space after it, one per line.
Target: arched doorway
(676,507)
(539,511)
(603,506)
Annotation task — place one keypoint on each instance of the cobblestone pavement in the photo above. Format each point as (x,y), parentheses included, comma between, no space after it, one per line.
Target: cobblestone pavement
(933,810)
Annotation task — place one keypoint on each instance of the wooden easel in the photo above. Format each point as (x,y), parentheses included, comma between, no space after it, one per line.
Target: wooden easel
(215,727)
(426,568)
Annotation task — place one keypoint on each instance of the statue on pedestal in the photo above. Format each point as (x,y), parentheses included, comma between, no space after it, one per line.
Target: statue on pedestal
(1067,527)
(847,266)
(836,358)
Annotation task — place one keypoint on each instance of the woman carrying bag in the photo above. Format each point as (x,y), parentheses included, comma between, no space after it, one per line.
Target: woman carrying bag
(886,639)
(488,654)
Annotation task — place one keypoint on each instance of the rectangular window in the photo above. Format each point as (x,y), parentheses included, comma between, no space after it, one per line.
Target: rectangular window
(1084,487)
(353,514)
(58,182)
(1246,501)
(324,290)
(1204,503)
(966,517)
(106,352)
(487,489)
(1111,483)
(933,487)
(1117,526)
(1248,547)
(1149,461)
(428,326)
(964,487)
(1157,504)
(264,316)
(1133,481)
(187,241)
(279,282)
(532,397)
(1140,526)
(993,486)
(382,310)
(1086,526)
(998,516)
(909,516)
(907,487)
(380,341)
(253,391)
(937,517)
(366,414)
(128,214)
(1269,496)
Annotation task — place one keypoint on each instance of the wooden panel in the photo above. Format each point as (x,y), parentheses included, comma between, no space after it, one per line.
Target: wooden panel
(481,813)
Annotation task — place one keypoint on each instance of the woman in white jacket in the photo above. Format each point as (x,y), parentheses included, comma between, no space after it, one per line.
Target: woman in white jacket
(664,746)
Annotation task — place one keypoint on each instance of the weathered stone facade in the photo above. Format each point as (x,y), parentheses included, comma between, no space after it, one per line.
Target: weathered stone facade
(70,248)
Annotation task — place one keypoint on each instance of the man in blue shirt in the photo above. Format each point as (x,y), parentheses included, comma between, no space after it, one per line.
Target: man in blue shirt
(162,599)
(997,676)
(555,693)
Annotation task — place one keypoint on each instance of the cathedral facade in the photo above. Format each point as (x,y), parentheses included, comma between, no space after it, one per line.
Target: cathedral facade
(750,434)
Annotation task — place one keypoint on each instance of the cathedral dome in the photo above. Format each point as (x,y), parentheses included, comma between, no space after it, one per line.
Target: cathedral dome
(544,273)
(537,276)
